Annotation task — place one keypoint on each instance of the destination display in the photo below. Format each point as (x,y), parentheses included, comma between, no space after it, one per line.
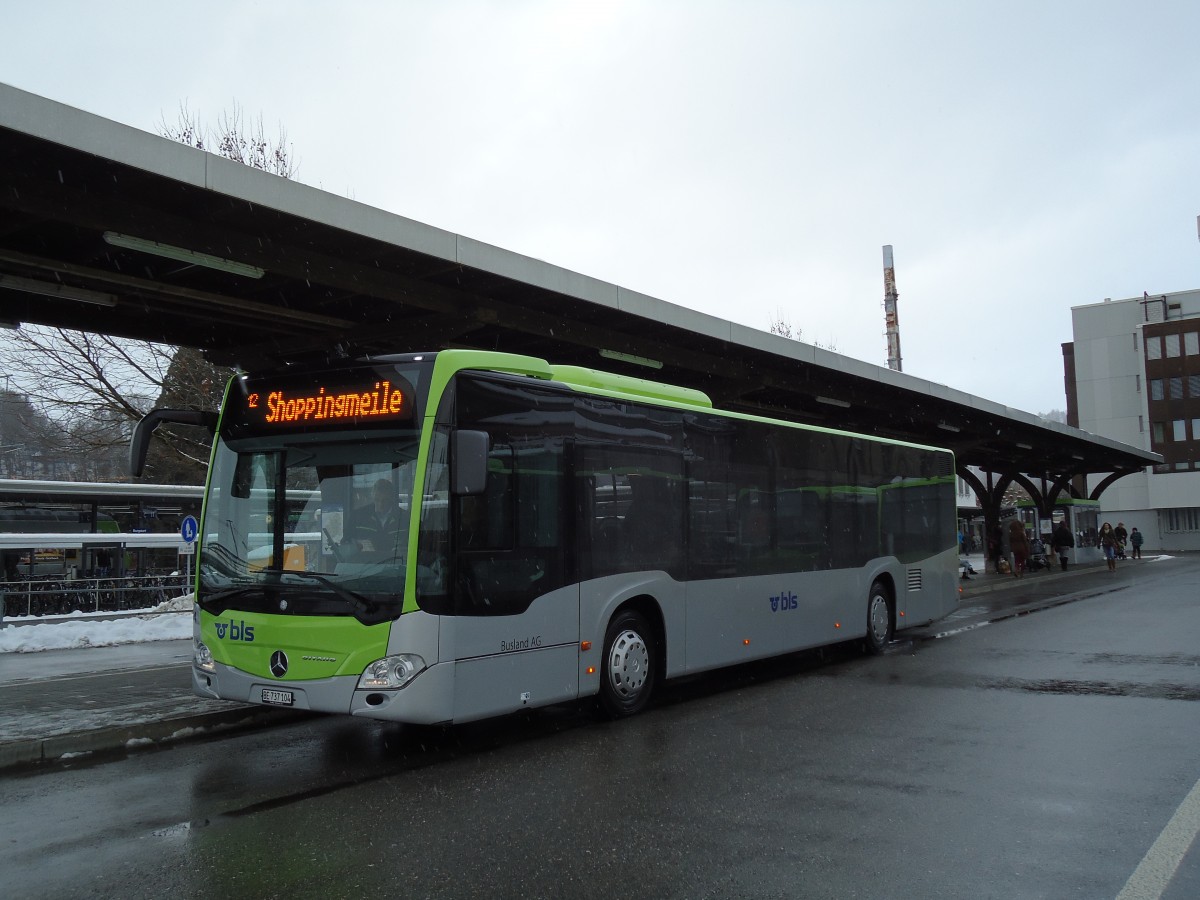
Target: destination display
(279,407)
(288,403)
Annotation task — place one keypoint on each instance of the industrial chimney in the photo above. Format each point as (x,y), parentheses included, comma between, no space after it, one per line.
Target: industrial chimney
(889,309)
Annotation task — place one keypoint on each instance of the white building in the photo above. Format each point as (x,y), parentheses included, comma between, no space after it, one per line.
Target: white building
(1133,374)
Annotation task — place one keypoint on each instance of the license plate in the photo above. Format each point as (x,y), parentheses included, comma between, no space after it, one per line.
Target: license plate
(278,698)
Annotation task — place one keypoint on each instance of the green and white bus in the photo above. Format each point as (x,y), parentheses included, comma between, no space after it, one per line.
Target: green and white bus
(555,533)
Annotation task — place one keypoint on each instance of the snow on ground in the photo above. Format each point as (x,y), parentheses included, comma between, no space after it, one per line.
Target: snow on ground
(91,630)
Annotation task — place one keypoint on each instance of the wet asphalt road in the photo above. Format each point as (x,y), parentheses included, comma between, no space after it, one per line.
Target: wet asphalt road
(1042,756)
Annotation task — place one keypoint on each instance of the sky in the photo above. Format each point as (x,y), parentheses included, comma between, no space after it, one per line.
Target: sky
(747,159)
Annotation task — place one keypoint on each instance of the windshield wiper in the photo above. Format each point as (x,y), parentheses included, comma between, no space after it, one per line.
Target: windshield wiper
(217,601)
(224,560)
(355,601)
(230,593)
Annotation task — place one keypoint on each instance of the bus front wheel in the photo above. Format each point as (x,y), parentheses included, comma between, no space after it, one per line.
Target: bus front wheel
(880,626)
(627,674)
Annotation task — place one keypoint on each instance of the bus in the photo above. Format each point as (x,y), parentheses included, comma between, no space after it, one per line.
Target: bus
(560,533)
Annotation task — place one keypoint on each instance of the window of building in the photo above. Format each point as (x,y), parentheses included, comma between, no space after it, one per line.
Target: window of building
(1183,519)
(1172,345)
(1156,389)
(1158,430)
(1196,429)
(1179,430)
(1193,385)
(1154,347)
(1176,386)
(1191,343)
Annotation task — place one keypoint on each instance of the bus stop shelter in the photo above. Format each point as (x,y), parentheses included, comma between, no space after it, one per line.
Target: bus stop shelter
(110,229)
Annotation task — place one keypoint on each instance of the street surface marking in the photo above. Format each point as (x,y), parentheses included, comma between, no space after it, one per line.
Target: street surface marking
(1150,879)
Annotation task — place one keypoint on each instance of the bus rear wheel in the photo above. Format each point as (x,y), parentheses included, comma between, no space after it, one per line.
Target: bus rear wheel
(628,669)
(880,625)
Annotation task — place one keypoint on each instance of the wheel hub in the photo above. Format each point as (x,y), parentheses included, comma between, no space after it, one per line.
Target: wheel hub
(628,664)
(879,619)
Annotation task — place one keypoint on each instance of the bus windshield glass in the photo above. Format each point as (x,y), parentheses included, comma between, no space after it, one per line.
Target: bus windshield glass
(314,526)
(310,493)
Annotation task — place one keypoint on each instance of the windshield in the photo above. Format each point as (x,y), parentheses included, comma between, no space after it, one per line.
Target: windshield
(312,527)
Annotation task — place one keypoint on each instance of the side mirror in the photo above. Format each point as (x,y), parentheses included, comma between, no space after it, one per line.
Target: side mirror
(140,440)
(469,455)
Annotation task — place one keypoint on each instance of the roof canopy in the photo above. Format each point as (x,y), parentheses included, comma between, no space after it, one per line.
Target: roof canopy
(109,229)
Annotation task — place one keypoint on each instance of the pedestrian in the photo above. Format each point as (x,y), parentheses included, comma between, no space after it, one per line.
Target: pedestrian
(1122,537)
(995,547)
(1061,541)
(1108,543)
(1136,539)
(1018,542)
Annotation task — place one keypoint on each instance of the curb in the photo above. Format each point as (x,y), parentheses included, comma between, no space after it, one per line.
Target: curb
(1006,582)
(927,633)
(122,737)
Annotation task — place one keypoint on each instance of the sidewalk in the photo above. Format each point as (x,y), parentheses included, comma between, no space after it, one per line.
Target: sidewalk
(988,596)
(988,579)
(60,703)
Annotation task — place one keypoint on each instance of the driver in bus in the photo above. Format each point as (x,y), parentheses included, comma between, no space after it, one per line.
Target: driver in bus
(380,524)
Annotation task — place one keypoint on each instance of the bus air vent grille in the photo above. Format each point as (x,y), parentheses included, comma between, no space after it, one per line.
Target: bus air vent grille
(915,579)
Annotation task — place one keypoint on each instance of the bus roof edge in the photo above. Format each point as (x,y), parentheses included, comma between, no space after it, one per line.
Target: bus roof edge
(581,377)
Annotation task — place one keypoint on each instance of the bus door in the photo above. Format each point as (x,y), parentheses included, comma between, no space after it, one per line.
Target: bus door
(629,510)
(516,618)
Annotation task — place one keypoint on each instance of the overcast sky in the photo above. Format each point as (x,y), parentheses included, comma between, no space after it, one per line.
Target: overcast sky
(746,159)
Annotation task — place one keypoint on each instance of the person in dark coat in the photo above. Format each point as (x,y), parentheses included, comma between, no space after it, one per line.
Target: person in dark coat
(1061,541)
(1108,543)
(1136,539)
(995,546)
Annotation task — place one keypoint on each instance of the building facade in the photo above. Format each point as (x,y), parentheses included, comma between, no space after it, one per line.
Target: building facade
(1133,374)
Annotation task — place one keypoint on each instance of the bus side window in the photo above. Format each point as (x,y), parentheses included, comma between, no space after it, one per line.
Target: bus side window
(602,497)
(754,523)
(485,522)
(633,517)
(511,547)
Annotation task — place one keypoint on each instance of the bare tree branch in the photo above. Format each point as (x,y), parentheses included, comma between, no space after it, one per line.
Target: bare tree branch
(781,326)
(94,387)
(234,139)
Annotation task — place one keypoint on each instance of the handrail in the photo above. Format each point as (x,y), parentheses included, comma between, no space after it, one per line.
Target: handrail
(43,597)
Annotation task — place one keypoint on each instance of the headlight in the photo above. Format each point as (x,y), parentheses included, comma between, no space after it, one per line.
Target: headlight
(202,657)
(391,672)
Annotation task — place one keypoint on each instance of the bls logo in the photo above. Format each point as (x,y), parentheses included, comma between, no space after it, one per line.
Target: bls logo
(238,631)
(784,602)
